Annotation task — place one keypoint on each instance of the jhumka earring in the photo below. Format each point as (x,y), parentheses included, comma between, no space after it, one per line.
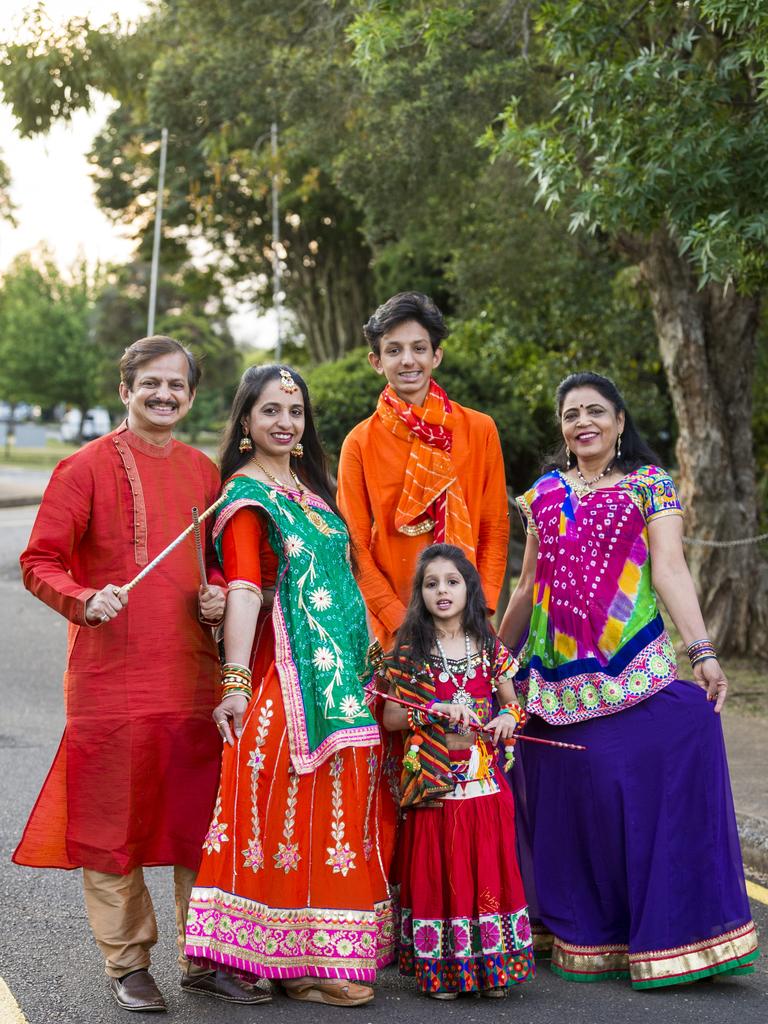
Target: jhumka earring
(246,444)
(618,446)
(567,457)
(297,450)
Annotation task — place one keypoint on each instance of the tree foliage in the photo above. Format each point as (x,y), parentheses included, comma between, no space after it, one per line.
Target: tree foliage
(47,349)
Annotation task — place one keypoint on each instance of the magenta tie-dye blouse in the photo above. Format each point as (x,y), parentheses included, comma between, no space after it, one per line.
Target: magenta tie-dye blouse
(597,642)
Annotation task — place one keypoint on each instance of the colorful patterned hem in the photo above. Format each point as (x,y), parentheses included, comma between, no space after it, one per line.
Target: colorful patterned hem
(253,939)
(590,690)
(468,974)
(467,955)
(731,953)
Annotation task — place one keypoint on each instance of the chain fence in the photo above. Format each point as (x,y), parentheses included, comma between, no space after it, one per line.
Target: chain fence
(699,542)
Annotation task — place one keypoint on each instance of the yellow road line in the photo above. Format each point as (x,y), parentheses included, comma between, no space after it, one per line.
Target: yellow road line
(757,892)
(10,1011)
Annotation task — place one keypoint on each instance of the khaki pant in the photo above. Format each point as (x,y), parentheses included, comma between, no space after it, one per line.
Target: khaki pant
(123,921)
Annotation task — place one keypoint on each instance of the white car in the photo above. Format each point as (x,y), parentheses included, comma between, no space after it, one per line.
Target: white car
(96,424)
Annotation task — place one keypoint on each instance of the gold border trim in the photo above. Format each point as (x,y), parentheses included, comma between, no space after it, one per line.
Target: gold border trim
(589,959)
(698,956)
(664,512)
(525,509)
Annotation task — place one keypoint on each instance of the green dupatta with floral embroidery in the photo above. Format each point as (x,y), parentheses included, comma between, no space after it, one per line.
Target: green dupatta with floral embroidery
(318,616)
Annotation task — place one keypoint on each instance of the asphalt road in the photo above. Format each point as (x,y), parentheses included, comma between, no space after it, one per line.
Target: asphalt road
(52,966)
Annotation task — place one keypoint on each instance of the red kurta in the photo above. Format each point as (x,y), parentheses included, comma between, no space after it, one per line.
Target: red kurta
(134,779)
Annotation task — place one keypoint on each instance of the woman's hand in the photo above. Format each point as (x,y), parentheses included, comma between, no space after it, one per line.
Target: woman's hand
(458,715)
(502,726)
(228,717)
(709,675)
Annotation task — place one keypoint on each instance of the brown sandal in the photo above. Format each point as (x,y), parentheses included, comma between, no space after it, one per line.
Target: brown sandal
(332,993)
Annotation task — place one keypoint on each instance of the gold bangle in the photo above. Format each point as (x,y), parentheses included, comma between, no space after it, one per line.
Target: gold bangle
(246,585)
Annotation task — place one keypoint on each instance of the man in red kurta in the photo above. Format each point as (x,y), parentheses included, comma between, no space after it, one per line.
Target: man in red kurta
(134,780)
(421,469)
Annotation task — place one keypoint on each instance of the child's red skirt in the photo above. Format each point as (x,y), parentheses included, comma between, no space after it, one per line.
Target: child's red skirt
(465,924)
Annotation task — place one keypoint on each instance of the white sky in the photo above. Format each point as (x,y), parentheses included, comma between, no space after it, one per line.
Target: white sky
(51,184)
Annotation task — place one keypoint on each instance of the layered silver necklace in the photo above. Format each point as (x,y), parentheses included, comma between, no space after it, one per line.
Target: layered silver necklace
(461,696)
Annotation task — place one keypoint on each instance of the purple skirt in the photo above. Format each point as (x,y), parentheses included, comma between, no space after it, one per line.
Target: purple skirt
(631,846)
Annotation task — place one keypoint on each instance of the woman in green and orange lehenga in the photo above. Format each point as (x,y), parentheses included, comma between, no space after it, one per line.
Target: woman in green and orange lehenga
(293,885)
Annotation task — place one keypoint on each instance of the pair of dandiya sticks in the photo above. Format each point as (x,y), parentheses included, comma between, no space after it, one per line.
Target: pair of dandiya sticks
(194,528)
(472,725)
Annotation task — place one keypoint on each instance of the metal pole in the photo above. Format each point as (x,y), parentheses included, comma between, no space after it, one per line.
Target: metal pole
(158,233)
(277,274)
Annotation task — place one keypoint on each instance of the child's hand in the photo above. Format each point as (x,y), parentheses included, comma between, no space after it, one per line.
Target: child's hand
(503,727)
(458,715)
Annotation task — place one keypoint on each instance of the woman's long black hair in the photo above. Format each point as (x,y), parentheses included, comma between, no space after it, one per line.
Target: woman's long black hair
(418,629)
(312,468)
(635,450)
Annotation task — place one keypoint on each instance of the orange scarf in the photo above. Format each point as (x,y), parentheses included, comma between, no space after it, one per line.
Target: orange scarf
(432,498)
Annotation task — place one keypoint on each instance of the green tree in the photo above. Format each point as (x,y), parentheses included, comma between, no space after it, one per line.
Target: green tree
(194,311)
(47,349)
(655,139)
(202,71)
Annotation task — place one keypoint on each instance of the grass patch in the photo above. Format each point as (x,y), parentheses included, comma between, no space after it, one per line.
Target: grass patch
(36,458)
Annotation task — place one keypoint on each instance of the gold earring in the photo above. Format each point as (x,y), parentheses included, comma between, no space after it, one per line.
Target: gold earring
(297,450)
(246,444)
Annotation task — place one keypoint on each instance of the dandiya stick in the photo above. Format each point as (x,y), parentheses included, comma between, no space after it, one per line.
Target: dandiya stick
(472,726)
(174,544)
(199,545)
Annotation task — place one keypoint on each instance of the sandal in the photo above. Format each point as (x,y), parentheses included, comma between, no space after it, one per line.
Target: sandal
(443,995)
(494,993)
(332,993)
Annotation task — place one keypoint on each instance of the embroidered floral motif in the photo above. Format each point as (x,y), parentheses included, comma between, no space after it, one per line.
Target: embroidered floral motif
(340,857)
(490,934)
(372,761)
(426,938)
(216,831)
(321,599)
(253,854)
(349,707)
(293,545)
(329,655)
(288,856)
(323,659)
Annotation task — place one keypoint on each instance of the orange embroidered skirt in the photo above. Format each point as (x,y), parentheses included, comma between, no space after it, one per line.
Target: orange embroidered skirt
(293,880)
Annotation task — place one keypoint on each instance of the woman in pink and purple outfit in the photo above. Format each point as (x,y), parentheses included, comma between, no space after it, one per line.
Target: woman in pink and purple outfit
(635,854)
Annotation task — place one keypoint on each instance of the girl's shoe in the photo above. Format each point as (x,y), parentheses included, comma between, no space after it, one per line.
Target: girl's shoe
(494,993)
(443,995)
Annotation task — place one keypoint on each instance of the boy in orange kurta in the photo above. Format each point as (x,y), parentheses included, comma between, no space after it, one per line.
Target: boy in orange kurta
(421,469)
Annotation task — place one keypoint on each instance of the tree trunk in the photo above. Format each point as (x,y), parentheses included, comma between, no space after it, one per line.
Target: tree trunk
(707,340)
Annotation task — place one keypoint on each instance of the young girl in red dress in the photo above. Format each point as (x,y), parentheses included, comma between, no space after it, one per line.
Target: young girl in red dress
(465,924)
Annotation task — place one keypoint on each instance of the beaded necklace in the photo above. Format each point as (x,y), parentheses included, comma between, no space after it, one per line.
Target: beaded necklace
(300,499)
